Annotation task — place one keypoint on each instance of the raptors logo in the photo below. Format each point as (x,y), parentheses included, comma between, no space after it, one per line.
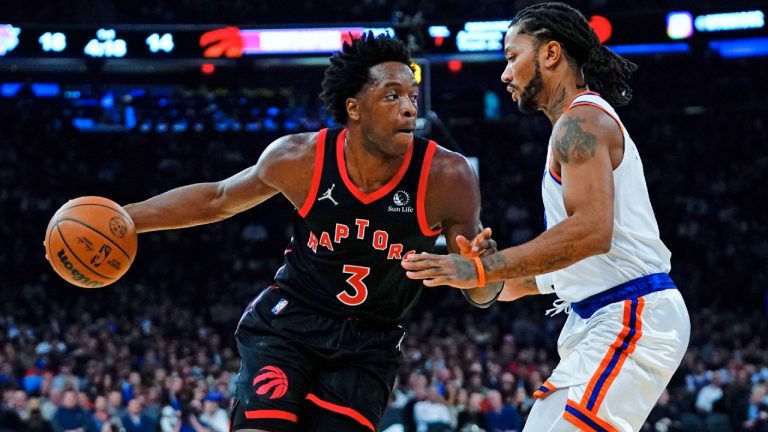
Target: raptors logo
(271,378)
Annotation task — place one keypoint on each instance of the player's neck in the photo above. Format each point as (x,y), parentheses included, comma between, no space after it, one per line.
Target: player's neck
(560,95)
(368,168)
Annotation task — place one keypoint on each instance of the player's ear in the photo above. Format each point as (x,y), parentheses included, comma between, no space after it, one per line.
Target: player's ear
(353,109)
(551,53)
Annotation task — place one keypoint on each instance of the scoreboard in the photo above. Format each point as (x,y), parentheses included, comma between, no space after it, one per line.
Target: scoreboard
(653,30)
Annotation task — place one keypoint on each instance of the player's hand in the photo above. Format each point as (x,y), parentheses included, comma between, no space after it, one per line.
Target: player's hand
(434,270)
(481,245)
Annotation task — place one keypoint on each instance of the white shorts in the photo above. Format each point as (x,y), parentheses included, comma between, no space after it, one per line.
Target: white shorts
(614,365)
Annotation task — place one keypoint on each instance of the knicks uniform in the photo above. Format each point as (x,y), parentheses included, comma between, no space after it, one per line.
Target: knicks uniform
(628,326)
(325,337)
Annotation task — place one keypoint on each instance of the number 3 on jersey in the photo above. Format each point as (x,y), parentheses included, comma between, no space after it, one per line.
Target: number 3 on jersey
(357,274)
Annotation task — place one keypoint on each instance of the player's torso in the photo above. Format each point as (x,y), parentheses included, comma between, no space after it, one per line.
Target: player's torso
(345,253)
(637,249)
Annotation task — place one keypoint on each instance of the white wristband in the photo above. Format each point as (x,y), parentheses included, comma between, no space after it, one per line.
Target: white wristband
(545,283)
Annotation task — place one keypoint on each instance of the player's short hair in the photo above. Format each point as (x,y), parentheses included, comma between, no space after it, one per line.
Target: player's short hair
(605,71)
(349,70)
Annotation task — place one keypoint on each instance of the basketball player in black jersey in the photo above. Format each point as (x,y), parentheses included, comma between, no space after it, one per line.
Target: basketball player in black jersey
(320,347)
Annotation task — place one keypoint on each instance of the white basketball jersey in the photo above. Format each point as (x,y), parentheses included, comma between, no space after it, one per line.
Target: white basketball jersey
(636,248)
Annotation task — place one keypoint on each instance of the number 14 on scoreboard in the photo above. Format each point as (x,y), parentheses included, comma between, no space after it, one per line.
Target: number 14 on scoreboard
(157,43)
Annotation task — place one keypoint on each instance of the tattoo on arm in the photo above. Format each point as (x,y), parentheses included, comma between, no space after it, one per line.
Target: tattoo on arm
(529,283)
(575,144)
(502,268)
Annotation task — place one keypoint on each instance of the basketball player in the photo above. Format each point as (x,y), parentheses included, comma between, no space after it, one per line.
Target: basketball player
(601,253)
(320,347)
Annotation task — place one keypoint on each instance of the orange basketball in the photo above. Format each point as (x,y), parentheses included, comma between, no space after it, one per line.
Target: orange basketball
(90,242)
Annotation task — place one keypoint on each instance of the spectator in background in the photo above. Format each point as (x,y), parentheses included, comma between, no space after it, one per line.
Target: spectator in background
(709,394)
(432,414)
(36,422)
(663,414)
(473,419)
(134,420)
(70,416)
(502,417)
(757,410)
(213,415)
(100,414)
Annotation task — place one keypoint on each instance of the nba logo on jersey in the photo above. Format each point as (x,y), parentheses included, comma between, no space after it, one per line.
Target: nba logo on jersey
(279,306)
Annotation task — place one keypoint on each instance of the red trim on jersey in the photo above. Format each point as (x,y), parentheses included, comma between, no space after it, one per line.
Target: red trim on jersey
(367,198)
(621,127)
(272,415)
(421,193)
(316,174)
(349,412)
(587,92)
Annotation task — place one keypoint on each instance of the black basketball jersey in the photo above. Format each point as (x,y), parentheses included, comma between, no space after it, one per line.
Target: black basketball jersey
(344,257)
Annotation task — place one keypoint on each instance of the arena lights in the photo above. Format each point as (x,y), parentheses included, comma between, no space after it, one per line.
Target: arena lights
(482,36)
(438,34)
(659,48)
(679,25)
(233,42)
(602,27)
(9,38)
(744,20)
(738,48)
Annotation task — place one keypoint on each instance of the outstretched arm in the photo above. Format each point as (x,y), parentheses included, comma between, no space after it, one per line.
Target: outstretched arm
(453,198)
(587,144)
(202,203)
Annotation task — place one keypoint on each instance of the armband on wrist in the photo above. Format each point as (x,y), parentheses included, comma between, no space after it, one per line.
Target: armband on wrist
(480,272)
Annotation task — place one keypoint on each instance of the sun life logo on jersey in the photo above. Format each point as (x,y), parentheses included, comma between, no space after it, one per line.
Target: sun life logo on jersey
(401,199)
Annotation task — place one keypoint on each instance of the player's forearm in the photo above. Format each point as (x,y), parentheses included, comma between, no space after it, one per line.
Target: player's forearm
(182,207)
(564,244)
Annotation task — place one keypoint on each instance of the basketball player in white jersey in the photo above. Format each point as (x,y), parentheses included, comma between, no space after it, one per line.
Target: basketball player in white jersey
(601,254)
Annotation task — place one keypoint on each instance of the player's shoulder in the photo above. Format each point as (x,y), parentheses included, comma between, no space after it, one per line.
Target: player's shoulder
(292,148)
(448,164)
(587,117)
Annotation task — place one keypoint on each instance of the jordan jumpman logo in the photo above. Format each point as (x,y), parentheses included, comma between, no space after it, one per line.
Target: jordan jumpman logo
(327,195)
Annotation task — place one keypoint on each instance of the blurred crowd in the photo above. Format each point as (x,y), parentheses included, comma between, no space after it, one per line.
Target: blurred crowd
(155,351)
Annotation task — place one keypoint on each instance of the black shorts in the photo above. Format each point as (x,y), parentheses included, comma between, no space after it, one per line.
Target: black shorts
(305,371)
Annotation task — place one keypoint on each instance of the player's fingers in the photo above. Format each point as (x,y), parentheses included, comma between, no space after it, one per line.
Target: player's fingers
(440,280)
(464,245)
(423,274)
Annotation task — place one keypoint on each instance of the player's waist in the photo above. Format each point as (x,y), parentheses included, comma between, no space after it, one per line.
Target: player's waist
(632,289)
(327,306)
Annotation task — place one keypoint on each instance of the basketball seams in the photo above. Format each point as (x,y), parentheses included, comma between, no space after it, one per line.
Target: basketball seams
(96,231)
(75,254)
(119,210)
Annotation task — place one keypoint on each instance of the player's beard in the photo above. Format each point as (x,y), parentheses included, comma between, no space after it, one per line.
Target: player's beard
(530,93)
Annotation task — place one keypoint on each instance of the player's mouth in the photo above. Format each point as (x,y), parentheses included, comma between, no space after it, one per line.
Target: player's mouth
(512,90)
(408,130)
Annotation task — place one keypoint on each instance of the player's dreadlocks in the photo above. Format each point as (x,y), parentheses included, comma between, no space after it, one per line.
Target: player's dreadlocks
(605,71)
(349,69)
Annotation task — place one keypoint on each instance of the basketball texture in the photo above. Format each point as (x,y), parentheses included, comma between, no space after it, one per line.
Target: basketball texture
(90,242)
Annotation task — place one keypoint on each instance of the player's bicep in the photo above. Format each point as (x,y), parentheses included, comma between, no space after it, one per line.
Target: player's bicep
(461,204)
(257,183)
(582,144)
